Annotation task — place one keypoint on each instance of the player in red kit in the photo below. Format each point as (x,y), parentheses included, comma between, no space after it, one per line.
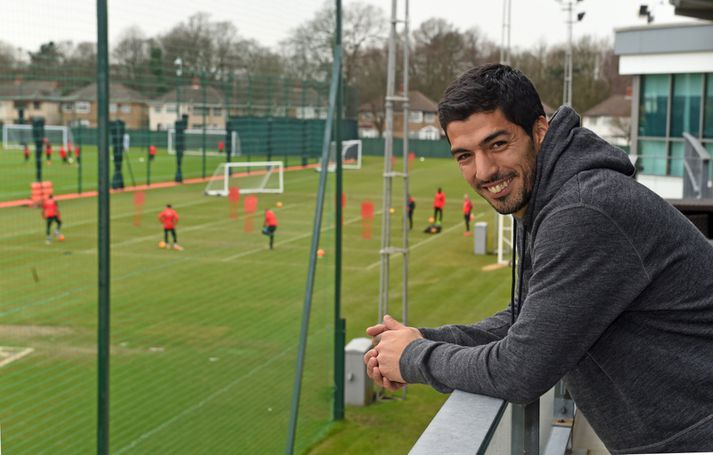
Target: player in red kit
(152,152)
(26,153)
(221,147)
(169,218)
(439,201)
(48,151)
(63,154)
(269,226)
(50,212)
(467,211)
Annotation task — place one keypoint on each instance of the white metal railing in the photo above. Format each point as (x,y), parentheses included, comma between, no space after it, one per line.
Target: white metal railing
(476,424)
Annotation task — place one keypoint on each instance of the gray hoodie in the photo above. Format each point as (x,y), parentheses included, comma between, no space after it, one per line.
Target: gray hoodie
(616,297)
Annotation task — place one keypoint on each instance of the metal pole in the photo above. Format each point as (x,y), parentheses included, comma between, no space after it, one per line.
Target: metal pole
(567,93)
(505,33)
(103,228)
(388,153)
(404,291)
(205,107)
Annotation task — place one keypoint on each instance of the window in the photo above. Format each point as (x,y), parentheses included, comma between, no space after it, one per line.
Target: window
(415,117)
(81,107)
(709,147)
(170,108)
(200,110)
(67,107)
(654,104)
(429,117)
(652,158)
(157,109)
(112,108)
(36,105)
(686,104)
(708,108)
(126,108)
(429,133)
(675,166)
(217,111)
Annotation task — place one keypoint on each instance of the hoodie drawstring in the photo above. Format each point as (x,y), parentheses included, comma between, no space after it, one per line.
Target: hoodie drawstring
(516,307)
(512,277)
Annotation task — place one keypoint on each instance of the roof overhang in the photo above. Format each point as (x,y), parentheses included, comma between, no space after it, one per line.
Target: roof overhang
(701,9)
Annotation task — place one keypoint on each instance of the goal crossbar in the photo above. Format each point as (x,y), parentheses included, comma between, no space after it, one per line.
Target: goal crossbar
(269,179)
(194,141)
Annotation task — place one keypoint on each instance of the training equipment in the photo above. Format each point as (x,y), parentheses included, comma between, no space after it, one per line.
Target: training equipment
(431,220)
(351,156)
(194,142)
(61,238)
(278,205)
(162,244)
(14,136)
(320,252)
(250,177)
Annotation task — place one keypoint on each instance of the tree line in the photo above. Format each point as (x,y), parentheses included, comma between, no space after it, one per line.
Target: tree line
(215,51)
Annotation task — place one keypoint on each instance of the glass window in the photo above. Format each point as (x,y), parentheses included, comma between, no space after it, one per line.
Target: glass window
(676,162)
(429,117)
(709,147)
(81,107)
(654,101)
(217,111)
(126,108)
(708,108)
(171,108)
(686,104)
(415,116)
(652,158)
(112,107)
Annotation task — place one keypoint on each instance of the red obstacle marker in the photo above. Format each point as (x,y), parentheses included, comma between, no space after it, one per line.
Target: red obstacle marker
(139,198)
(250,204)
(367,210)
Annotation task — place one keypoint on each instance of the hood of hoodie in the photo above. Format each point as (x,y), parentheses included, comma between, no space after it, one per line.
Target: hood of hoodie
(567,150)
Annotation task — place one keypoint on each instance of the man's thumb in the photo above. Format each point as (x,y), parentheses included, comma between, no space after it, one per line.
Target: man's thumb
(391,323)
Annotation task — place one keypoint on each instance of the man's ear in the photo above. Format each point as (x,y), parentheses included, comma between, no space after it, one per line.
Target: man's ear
(539,130)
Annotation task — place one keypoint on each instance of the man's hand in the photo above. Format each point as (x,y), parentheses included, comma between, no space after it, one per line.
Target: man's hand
(390,340)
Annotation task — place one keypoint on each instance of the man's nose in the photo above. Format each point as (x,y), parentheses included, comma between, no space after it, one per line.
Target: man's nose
(485,167)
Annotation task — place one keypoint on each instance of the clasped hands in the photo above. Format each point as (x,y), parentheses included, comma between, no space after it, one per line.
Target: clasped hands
(389,341)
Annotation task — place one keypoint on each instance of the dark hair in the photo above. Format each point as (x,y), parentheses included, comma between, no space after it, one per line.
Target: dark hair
(168,205)
(486,88)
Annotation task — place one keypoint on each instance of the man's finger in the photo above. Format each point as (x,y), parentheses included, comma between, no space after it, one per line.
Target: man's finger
(392,324)
(369,354)
(375,330)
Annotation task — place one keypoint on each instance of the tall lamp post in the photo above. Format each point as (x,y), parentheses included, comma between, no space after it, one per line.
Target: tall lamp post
(567,92)
(179,71)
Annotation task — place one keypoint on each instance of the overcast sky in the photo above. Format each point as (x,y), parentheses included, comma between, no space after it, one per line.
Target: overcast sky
(28,23)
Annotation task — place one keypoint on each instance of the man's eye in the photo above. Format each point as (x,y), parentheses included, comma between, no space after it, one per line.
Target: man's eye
(499,145)
(462,157)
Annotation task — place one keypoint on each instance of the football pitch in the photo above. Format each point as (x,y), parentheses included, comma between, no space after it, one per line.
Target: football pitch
(204,341)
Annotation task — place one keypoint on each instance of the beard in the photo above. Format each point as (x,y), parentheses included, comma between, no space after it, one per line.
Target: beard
(518,197)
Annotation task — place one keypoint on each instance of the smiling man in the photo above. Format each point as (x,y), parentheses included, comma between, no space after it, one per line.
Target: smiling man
(614,286)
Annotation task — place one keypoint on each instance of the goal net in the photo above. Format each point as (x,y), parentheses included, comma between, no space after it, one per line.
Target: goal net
(17,136)
(213,140)
(351,155)
(248,177)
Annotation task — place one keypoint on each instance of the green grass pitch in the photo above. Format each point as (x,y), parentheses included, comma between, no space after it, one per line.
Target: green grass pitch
(204,341)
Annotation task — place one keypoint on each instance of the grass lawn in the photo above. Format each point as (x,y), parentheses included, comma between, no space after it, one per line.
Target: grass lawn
(204,340)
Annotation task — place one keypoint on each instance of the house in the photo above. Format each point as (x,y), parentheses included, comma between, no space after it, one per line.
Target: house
(672,93)
(22,99)
(80,107)
(199,104)
(611,120)
(422,119)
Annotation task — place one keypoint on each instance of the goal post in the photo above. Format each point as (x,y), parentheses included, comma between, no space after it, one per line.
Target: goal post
(213,139)
(351,155)
(15,136)
(249,177)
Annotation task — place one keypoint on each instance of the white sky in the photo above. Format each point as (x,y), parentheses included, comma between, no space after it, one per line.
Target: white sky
(28,23)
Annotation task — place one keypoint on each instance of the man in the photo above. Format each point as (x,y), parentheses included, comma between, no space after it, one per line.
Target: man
(50,212)
(269,226)
(439,201)
(616,290)
(467,213)
(411,208)
(169,218)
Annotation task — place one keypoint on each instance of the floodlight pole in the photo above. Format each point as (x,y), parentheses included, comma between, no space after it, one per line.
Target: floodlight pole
(567,93)
(505,33)
(179,71)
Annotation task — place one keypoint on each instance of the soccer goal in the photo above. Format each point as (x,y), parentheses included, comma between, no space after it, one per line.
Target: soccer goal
(351,155)
(16,136)
(248,177)
(213,139)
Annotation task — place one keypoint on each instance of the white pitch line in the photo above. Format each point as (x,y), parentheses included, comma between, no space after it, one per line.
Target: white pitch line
(18,356)
(423,242)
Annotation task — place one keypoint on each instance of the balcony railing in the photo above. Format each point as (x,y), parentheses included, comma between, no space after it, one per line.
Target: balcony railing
(476,424)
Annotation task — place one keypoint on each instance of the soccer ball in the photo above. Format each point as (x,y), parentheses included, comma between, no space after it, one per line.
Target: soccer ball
(392,210)
(320,252)
(431,219)
(422,159)
(278,205)
(61,238)
(162,244)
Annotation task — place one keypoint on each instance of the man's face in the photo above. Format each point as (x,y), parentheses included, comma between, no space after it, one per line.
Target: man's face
(497,158)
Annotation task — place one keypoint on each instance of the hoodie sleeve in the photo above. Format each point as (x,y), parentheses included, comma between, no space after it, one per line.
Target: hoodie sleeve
(586,273)
(491,329)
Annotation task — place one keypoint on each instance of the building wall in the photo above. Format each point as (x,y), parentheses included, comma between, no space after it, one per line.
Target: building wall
(134,114)
(615,130)
(163,116)
(422,125)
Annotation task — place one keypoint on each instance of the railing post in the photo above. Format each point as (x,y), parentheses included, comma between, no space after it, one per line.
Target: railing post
(526,428)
